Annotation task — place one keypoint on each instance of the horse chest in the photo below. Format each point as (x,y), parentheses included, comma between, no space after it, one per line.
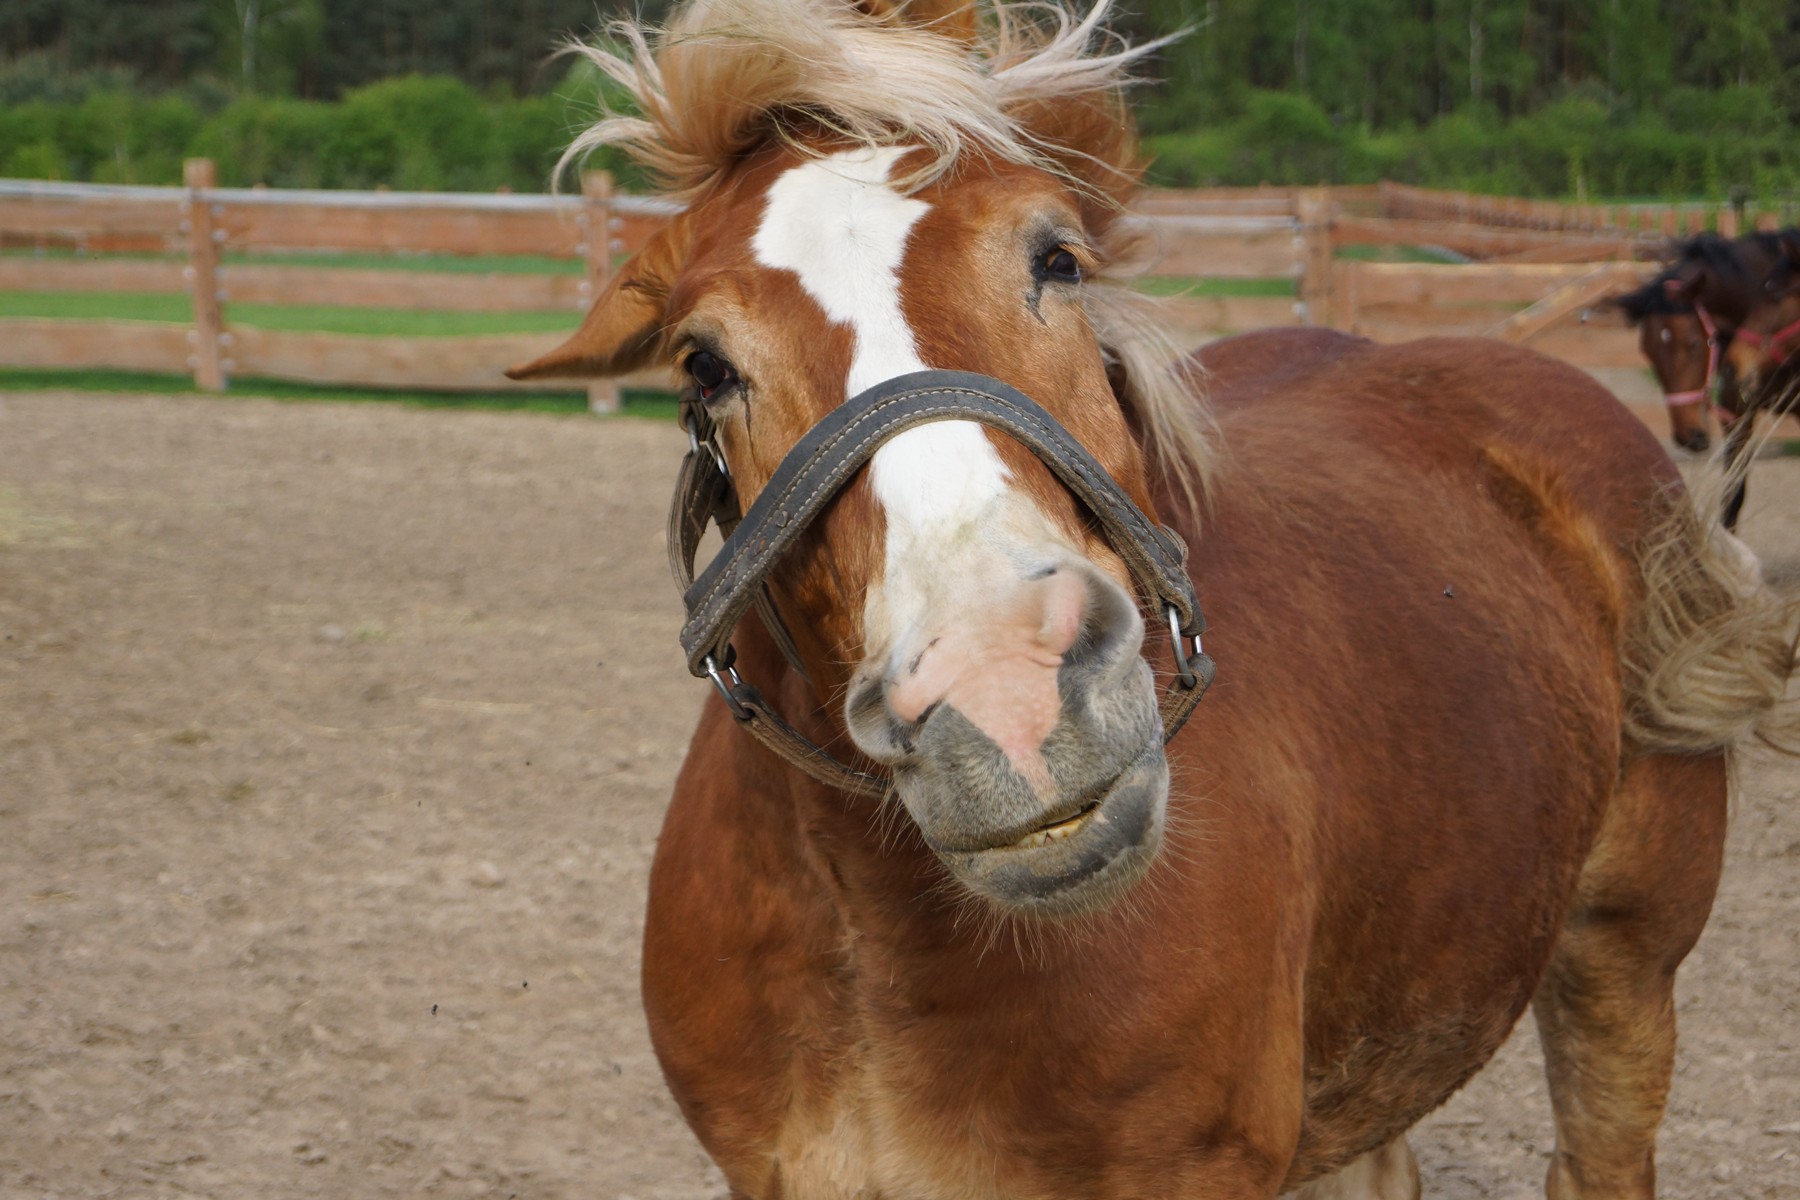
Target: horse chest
(1026,1095)
(882,1135)
(859,1141)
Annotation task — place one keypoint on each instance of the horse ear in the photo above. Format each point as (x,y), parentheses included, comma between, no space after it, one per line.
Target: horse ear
(619,334)
(955,19)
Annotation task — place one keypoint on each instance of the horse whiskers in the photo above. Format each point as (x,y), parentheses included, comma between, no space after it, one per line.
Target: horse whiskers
(887,823)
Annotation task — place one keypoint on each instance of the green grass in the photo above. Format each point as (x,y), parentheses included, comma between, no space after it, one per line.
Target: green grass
(1175,285)
(390,322)
(656,405)
(1397,254)
(451,264)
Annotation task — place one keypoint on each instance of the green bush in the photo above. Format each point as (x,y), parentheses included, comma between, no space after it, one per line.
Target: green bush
(276,142)
(529,134)
(31,127)
(34,160)
(418,133)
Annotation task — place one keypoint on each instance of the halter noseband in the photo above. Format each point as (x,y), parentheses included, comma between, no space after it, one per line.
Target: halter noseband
(810,477)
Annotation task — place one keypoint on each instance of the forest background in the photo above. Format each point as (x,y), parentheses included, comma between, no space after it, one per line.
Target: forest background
(1584,99)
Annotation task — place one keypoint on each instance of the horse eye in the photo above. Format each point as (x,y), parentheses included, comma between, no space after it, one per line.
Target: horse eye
(1665,335)
(1060,265)
(709,372)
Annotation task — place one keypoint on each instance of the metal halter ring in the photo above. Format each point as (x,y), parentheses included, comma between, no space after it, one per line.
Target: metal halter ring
(712,447)
(727,690)
(1184,667)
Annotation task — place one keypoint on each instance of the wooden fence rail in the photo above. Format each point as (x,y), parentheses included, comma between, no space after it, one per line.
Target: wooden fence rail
(1539,273)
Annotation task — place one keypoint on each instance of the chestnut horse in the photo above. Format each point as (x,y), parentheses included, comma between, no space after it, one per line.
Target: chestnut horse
(1478,668)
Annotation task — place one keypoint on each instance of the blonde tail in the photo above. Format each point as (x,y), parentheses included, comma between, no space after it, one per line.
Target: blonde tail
(1711,647)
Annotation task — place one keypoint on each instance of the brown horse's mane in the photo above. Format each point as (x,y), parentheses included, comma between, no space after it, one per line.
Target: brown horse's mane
(1015,80)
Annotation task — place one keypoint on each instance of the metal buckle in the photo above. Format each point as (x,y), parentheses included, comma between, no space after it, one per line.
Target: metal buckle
(1184,667)
(727,690)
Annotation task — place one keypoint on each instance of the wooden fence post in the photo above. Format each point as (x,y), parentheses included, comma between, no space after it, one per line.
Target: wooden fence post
(597,250)
(204,236)
(1313,207)
(1343,295)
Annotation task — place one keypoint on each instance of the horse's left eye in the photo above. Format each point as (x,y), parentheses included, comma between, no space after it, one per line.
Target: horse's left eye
(1061,266)
(709,372)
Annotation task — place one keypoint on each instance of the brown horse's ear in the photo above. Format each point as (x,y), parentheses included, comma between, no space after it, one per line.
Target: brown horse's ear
(955,19)
(619,334)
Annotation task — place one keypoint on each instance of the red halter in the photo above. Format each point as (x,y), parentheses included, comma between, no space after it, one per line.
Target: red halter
(1777,355)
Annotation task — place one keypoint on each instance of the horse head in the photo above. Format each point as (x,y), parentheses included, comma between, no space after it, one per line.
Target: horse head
(873,192)
(1769,335)
(1682,344)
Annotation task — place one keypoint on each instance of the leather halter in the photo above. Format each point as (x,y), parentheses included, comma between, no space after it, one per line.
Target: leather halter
(810,477)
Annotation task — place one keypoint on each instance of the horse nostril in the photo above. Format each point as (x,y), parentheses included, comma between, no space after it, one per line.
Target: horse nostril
(1109,626)
(881,732)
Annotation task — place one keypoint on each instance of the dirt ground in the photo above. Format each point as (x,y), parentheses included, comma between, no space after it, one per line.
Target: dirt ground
(333,745)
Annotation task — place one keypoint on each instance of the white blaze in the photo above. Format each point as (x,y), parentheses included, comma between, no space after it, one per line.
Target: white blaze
(838,226)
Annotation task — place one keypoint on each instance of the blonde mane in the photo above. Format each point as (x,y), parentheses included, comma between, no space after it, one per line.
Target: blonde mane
(1018,80)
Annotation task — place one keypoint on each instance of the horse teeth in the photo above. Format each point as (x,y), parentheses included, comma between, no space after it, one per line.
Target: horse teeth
(1043,837)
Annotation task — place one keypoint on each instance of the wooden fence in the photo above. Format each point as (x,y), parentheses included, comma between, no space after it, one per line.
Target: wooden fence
(218,232)
(1535,271)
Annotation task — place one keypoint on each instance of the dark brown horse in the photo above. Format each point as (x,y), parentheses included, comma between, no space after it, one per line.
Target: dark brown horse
(1730,283)
(1478,666)
(1684,345)
(1765,358)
